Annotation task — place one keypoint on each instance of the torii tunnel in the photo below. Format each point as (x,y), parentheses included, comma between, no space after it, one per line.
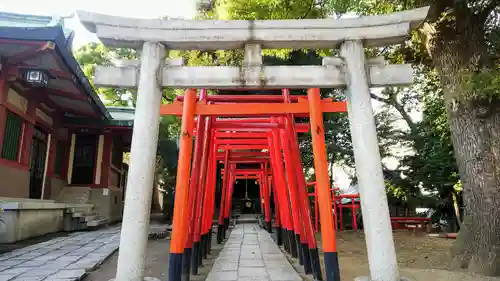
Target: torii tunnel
(254,137)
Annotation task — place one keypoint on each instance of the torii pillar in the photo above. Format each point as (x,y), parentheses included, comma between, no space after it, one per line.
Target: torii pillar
(140,180)
(352,70)
(374,207)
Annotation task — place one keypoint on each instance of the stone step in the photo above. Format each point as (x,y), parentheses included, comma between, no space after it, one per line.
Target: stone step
(84,214)
(74,224)
(97,222)
(80,208)
(91,217)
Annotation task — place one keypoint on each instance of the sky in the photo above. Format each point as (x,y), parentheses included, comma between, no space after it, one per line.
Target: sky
(65,8)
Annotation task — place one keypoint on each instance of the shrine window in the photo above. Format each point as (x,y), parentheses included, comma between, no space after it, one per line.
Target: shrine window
(60,153)
(117,152)
(12,137)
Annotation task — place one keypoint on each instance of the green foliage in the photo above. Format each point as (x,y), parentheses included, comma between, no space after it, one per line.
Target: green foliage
(483,85)
(433,164)
(91,55)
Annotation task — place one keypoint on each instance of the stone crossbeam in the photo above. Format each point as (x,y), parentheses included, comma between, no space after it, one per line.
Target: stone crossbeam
(327,76)
(378,30)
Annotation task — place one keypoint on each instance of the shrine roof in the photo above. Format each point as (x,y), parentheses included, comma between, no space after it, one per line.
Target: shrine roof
(48,48)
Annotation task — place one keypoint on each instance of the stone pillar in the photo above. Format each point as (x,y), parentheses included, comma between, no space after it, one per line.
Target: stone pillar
(376,220)
(106,159)
(29,130)
(135,226)
(98,167)
(71,157)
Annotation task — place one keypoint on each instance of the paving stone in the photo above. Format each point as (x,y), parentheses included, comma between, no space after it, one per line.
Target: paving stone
(229,266)
(68,274)
(36,272)
(67,258)
(254,278)
(258,257)
(252,271)
(4,267)
(55,264)
(11,262)
(28,256)
(60,259)
(6,277)
(15,271)
(31,278)
(223,276)
(251,263)
(277,274)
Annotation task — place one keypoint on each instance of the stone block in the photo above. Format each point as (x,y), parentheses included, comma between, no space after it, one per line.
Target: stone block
(230,266)
(6,277)
(223,276)
(15,271)
(252,263)
(68,274)
(11,262)
(252,272)
(31,278)
(279,274)
(367,278)
(254,278)
(37,272)
(145,279)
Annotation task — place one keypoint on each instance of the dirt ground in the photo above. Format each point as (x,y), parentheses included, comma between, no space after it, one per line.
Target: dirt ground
(421,258)
(156,262)
(414,250)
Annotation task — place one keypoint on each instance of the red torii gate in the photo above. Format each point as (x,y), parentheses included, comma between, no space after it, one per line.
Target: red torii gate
(268,137)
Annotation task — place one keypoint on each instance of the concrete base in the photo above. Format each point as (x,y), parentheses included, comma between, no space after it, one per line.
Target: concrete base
(31,218)
(367,278)
(145,279)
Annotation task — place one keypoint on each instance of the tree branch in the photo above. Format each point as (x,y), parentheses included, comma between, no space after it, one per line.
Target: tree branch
(380,99)
(486,11)
(437,8)
(405,115)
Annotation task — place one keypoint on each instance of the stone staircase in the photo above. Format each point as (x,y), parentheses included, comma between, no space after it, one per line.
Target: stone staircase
(80,214)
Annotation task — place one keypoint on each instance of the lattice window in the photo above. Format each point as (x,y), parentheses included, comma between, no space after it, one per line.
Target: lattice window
(12,136)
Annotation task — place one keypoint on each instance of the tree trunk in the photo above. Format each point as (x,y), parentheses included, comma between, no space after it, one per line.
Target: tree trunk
(458,49)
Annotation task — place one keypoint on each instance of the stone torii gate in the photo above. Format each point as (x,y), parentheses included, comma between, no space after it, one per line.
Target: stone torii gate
(351,71)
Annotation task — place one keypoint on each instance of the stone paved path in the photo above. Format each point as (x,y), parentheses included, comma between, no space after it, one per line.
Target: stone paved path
(60,259)
(250,254)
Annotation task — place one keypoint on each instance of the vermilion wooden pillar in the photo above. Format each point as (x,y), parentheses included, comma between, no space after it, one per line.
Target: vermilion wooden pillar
(328,236)
(202,181)
(180,227)
(281,188)
(208,215)
(225,182)
(279,137)
(292,192)
(277,213)
(229,196)
(308,239)
(266,195)
(187,264)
